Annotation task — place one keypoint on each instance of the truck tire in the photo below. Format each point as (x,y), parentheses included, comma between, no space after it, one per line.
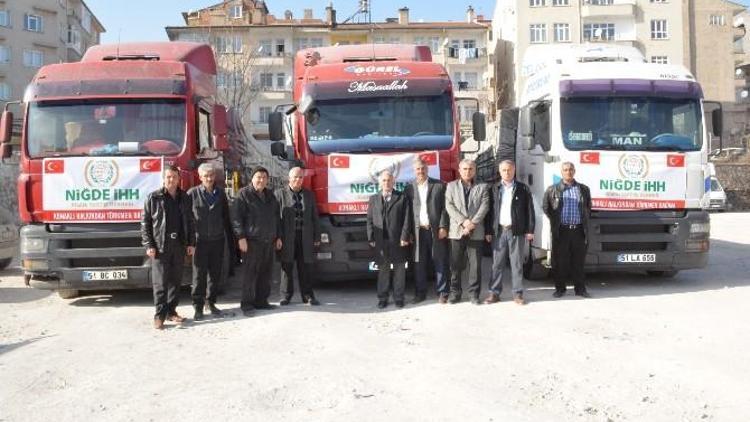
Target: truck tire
(67,293)
(4,263)
(663,274)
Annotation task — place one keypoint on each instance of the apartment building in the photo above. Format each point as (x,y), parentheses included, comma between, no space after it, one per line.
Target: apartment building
(696,33)
(38,32)
(255,51)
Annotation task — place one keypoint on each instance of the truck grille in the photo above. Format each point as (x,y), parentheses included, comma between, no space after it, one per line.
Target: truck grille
(633,246)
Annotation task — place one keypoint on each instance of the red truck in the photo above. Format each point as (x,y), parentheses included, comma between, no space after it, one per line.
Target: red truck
(360,109)
(96,135)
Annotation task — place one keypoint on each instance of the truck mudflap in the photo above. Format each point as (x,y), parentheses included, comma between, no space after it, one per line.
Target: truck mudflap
(86,257)
(648,240)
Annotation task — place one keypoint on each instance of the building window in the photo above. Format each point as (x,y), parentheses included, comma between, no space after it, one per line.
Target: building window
(33,58)
(659,29)
(378,39)
(264,112)
(466,80)
(4,91)
(4,54)
(716,20)
(235,12)
(470,44)
(599,31)
(658,1)
(434,44)
(302,43)
(394,40)
(536,3)
(561,2)
(229,79)
(33,23)
(562,32)
(265,48)
(228,45)
(660,59)
(266,81)
(537,33)
(599,2)
(4,18)
(280,47)
(419,41)
(281,81)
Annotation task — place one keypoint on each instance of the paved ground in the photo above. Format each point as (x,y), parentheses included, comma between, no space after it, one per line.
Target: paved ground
(643,349)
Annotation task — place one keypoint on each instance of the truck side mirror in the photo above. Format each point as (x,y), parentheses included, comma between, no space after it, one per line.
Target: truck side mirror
(276,126)
(479,128)
(219,128)
(278,149)
(6,150)
(6,127)
(525,122)
(716,122)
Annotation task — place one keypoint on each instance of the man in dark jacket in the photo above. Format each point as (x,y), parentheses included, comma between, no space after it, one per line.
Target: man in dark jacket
(212,227)
(300,235)
(167,234)
(256,225)
(513,221)
(389,232)
(568,206)
(427,197)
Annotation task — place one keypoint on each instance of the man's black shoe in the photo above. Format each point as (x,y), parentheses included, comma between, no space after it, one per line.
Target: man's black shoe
(382,304)
(419,298)
(248,312)
(558,293)
(265,306)
(475,301)
(198,313)
(455,299)
(284,302)
(312,302)
(399,303)
(583,293)
(214,310)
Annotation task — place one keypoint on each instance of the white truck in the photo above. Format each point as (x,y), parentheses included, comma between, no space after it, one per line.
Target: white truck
(636,134)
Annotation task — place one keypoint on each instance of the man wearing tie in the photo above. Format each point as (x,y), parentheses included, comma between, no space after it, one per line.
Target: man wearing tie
(427,196)
(389,231)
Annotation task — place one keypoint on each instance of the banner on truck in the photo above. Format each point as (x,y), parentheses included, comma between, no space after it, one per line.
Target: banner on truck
(98,189)
(353,178)
(633,181)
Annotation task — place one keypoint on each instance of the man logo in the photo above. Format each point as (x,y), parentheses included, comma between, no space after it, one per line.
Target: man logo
(101,173)
(379,164)
(633,166)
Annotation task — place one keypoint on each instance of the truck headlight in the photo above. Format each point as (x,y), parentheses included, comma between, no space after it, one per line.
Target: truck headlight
(700,228)
(324,238)
(33,245)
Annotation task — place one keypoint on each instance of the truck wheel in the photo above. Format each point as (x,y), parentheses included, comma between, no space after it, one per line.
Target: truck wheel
(4,263)
(663,274)
(67,293)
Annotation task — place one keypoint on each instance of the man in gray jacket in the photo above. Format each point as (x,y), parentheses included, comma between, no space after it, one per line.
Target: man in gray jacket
(300,235)
(256,225)
(467,202)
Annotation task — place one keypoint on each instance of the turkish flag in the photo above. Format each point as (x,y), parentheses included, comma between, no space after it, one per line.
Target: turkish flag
(429,158)
(150,165)
(54,166)
(339,162)
(675,160)
(589,158)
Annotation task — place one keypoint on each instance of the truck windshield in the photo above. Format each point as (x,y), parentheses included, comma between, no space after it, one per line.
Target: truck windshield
(383,123)
(631,123)
(130,127)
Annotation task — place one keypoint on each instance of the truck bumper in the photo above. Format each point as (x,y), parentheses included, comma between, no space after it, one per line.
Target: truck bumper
(347,254)
(668,238)
(64,252)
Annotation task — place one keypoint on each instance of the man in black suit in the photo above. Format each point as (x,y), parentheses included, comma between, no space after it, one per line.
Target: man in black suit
(300,235)
(427,196)
(389,231)
(212,228)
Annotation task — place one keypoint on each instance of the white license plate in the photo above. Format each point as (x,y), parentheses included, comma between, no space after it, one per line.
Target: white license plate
(627,258)
(105,275)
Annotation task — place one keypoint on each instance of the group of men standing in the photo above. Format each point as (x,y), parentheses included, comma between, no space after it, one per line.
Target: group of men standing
(442,228)
(447,226)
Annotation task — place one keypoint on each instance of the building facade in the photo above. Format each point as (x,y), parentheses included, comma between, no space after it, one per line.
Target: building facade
(695,33)
(255,51)
(34,33)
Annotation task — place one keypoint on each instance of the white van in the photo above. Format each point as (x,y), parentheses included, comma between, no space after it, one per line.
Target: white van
(717,196)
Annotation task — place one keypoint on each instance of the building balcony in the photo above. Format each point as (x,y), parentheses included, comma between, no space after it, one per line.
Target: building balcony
(738,32)
(464,55)
(608,8)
